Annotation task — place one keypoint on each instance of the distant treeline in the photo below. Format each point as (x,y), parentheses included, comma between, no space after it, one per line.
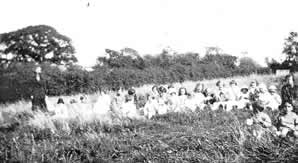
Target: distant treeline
(123,69)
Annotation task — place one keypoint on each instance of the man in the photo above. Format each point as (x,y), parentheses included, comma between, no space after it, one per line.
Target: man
(38,92)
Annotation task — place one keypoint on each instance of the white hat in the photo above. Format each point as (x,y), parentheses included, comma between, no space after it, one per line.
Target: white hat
(272,87)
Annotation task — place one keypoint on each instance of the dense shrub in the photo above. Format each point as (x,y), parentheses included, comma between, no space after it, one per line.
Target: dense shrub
(123,71)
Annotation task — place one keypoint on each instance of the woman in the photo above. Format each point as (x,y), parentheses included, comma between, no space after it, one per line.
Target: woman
(289,92)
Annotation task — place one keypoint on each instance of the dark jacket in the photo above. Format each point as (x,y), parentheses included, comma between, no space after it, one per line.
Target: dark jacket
(289,94)
(38,93)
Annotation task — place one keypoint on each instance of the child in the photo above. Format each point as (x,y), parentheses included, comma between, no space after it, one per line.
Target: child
(288,121)
(173,100)
(151,106)
(263,94)
(182,96)
(260,120)
(275,99)
(234,91)
(253,90)
(162,101)
(129,108)
(199,96)
(243,98)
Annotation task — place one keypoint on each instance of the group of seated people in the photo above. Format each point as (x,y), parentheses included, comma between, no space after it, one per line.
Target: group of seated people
(257,98)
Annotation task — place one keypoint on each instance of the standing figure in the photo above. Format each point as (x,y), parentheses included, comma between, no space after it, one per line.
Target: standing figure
(38,92)
(289,91)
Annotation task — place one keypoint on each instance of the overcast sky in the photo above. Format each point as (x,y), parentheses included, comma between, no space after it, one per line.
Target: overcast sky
(258,27)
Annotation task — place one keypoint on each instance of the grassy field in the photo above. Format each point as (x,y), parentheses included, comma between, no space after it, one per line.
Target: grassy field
(81,133)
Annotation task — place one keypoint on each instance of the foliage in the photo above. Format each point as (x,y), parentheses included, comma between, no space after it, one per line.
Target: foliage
(291,47)
(204,136)
(36,44)
(123,69)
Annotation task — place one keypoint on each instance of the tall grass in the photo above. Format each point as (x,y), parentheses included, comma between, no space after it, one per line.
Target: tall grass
(84,133)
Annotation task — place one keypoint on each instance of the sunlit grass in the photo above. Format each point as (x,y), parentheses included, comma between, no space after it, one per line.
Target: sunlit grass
(88,132)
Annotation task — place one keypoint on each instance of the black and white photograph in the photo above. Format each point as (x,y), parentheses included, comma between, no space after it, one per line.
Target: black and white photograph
(148,81)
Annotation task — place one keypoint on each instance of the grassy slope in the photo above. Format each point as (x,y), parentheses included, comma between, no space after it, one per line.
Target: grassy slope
(204,136)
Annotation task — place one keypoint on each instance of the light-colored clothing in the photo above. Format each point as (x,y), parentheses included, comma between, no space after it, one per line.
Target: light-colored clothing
(199,99)
(173,102)
(274,101)
(162,105)
(264,98)
(234,93)
(150,108)
(289,120)
(129,109)
(262,118)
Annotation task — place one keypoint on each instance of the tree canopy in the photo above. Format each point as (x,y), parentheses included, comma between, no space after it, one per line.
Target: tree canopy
(38,44)
(291,47)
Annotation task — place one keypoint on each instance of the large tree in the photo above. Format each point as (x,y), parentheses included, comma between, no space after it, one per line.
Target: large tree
(126,58)
(36,44)
(291,48)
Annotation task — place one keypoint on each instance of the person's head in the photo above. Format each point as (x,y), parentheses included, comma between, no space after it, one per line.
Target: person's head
(199,88)
(233,83)
(162,90)
(149,97)
(208,92)
(182,91)
(220,84)
(288,107)
(155,89)
(131,92)
(258,106)
(73,101)
(83,98)
(290,79)
(244,90)
(272,89)
(262,88)
(253,84)
(60,101)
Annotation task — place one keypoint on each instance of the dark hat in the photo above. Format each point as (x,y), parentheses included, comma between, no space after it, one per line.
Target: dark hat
(131,91)
(233,82)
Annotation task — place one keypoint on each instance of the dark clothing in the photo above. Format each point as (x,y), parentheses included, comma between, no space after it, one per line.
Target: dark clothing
(38,92)
(289,94)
